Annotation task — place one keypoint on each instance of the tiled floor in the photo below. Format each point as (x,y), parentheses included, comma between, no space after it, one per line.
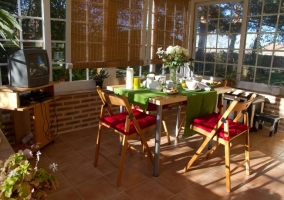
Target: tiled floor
(79,179)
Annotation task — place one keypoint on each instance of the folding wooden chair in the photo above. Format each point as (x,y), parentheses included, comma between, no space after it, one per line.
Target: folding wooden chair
(219,128)
(152,108)
(128,124)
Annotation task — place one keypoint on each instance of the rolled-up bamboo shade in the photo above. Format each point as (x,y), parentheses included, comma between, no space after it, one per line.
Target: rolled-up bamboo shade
(169,25)
(107,33)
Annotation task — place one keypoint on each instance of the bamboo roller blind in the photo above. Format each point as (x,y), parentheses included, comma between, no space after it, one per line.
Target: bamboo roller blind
(169,25)
(107,33)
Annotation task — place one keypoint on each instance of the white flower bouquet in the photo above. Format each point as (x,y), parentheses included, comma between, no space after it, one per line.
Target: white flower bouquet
(174,56)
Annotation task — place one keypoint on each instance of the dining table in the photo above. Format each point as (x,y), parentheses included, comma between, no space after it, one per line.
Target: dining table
(198,103)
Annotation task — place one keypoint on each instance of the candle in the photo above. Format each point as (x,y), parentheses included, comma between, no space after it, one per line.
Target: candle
(129,78)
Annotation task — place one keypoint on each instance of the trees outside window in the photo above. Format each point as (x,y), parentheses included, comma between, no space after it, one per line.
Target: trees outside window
(219,46)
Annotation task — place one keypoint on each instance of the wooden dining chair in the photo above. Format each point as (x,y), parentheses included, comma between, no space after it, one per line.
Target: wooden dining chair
(128,124)
(220,128)
(153,108)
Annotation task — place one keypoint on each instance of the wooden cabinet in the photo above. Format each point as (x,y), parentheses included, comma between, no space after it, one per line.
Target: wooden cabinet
(10,100)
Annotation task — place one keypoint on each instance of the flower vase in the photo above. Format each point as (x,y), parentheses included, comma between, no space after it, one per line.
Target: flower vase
(173,76)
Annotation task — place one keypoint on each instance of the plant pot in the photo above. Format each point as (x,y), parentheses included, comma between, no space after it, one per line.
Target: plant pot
(99,83)
(229,83)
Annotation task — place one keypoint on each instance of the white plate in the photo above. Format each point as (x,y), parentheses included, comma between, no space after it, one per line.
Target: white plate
(171,92)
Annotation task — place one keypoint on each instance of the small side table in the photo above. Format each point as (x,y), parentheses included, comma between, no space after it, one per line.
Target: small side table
(272,119)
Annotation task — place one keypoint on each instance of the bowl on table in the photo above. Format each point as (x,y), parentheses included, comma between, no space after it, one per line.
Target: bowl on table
(191,84)
(198,78)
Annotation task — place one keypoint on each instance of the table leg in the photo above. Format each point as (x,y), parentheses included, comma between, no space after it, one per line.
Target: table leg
(178,118)
(157,140)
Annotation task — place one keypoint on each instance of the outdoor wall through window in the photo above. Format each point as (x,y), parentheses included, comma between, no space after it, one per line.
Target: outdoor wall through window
(240,37)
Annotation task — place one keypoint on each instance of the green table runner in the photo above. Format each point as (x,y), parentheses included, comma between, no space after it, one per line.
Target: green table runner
(138,97)
(198,102)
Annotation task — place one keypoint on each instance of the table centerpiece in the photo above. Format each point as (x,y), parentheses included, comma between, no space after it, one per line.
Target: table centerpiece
(173,58)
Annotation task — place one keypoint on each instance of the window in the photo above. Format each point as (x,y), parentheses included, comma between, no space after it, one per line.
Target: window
(250,43)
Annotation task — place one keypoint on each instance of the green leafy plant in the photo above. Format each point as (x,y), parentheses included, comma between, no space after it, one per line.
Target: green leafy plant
(20,180)
(99,75)
(230,76)
(7,26)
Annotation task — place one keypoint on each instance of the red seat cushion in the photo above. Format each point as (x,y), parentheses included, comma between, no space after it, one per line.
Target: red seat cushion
(207,123)
(117,121)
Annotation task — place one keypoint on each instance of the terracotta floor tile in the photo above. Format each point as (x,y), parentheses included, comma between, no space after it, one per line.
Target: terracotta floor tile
(68,194)
(81,173)
(100,188)
(148,190)
(52,150)
(130,178)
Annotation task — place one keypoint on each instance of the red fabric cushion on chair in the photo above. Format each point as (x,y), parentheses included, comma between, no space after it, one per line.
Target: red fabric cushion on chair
(207,123)
(117,121)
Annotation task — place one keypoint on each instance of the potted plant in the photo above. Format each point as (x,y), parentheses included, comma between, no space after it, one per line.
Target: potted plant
(99,75)
(230,78)
(20,180)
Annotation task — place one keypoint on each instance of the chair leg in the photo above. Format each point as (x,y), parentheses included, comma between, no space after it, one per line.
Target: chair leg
(227,166)
(181,125)
(122,158)
(146,147)
(247,156)
(197,153)
(166,131)
(98,146)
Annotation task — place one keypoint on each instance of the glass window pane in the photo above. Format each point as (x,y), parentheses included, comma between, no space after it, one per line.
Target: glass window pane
(220,56)
(199,55)
(255,7)
(32,29)
(58,52)
(57,30)
(278,59)
(78,74)
(31,8)
(277,76)
(233,56)
(262,75)
(234,41)
(266,39)
(222,41)
(247,74)
(270,6)
(220,70)
(213,11)
(269,24)
(198,68)
(253,24)
(249,58)
(281,23)
(212,26)
(210,54)
(57,9)
(251,41)
(224,25)
(211,41)
(225,10)
(209,69)
(264,59)
(60,73)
